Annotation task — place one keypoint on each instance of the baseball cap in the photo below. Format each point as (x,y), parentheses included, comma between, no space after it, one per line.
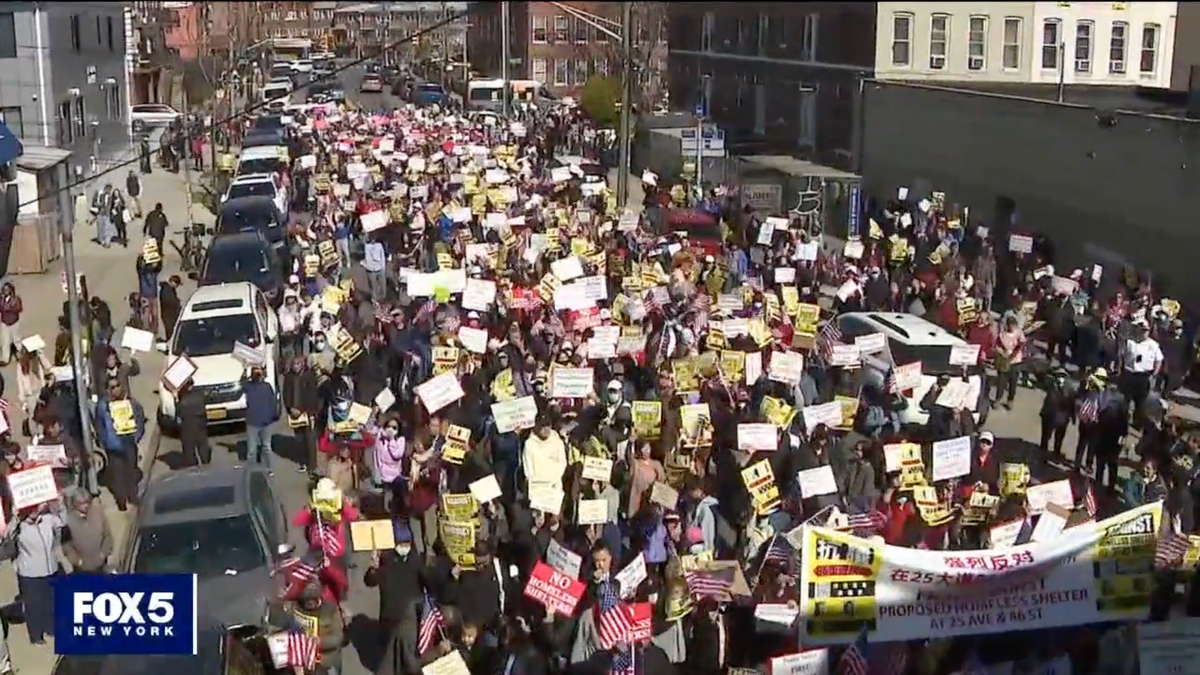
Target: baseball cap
(987,437)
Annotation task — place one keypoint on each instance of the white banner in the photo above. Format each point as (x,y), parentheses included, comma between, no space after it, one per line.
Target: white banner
(1092,573)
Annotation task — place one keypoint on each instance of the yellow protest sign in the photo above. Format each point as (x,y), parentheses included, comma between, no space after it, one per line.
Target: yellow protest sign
(121,413)
(445,360)
(459,508)
(647,419)
(458,440)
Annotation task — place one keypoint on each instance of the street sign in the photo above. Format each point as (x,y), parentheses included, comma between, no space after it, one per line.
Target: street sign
(712,141)
(698,110)
(10,146)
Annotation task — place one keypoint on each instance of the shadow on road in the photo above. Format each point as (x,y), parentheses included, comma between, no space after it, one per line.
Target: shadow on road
(366,634)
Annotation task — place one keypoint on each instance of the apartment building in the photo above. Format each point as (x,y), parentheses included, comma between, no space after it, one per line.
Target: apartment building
(549,44)
(1075,43)
(365,27)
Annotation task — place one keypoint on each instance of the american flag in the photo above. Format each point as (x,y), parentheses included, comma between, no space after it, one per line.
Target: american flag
(331,541)
(1171,546)
(714,584)
(1089,502)
(891,384)
(294,573)
(871,522)
(1089,410)
(302,650)
(854,659)
(427,310)
(432,624)
(615,620)
(829,336)
(382,313)
(778,551)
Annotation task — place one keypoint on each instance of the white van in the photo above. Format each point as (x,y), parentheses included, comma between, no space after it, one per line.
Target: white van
(214,319)
(910,338)
(269,159)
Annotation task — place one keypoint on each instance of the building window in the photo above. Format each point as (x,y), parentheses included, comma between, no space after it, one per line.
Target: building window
(112,42)
(291,16)
(808,49)
(760,109)
(112,101)
(81,117)
(540,30)
(806,122)
(562,72)
(977,43)
(76,34)
(764,32)
(8,36)
(1083,46)
(99,33)
(11,116)
(706,31)
(1118,47)
(581,72)
(1149,60)
(561,29)
(581,32)
(1012,43)
(66,126)
(939,41)
(601,67)
(901,39)
(539,70)
(1051,40)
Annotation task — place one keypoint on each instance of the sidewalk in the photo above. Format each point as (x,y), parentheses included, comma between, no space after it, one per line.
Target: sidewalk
(111,276)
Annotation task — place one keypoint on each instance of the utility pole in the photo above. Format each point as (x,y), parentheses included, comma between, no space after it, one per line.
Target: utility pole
(77,360)
(626,99)
(504,49)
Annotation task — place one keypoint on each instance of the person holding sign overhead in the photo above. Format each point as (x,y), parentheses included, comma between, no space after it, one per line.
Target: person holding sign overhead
(120,425)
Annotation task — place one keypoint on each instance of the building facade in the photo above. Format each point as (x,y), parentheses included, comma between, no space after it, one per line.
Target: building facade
(561,50)
(66,84)
(368,27)
(777,77)
(1075,43)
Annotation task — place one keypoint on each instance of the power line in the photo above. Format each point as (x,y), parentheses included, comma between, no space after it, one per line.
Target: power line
(250,110)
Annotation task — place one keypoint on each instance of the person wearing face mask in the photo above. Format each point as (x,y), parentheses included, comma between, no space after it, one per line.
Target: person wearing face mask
(400,577)
(262,411)
(302,402)
(324,620)
(291,320)
(321,358)
(544,456)
(617,416)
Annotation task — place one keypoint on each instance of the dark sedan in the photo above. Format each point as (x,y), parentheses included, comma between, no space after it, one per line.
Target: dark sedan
(244,256)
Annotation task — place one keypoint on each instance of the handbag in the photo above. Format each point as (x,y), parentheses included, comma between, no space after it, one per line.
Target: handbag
(8,545)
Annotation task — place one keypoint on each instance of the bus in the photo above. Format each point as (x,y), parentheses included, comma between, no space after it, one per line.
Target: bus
(291,49)
(489,94)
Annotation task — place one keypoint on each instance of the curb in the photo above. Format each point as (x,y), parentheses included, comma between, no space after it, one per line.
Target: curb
(147,456)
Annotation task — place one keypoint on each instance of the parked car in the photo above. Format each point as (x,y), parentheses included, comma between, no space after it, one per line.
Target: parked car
(223,524)
(429,93)
(214,319)
(154,114)
(302,66)
(258,185)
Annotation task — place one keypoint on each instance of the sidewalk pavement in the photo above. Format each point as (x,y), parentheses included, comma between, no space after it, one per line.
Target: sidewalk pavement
(111,275)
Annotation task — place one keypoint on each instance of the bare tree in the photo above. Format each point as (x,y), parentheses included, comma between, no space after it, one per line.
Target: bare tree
(649,50)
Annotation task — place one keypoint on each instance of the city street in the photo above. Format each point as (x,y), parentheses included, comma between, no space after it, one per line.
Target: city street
(111,276)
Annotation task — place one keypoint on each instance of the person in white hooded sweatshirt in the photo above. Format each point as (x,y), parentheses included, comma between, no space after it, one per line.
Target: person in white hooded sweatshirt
(544,457)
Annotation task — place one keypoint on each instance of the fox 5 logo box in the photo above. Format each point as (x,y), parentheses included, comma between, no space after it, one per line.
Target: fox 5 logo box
(125,614)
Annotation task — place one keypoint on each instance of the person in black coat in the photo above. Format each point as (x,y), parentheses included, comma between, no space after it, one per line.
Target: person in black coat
(302,403)
(1058,409)
(708,648)
(191,407)
(400,577)
(169,304)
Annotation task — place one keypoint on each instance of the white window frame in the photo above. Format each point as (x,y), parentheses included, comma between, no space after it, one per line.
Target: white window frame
(1011,47)
(1154,32)
(977,41)
(600,64)
(1057,46)
(764,29)
(806,116)
(707,25)
(1083,45)
(562,29)
(939,41)
(1118,46)
(539,70)
(539,23)
(898,19)
(581,71)
(564,71)
(812,25)
(576,34)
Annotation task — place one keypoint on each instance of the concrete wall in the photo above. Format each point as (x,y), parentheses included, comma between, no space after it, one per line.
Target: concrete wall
(1128,189)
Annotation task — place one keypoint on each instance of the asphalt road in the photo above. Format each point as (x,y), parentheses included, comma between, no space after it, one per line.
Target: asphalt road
(1016,429)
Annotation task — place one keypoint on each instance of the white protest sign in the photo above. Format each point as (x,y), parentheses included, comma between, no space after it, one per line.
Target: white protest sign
(572,383)
(1057,492)
(755,437)
(479,294)
(811,662)
(786,367)
(1005,535)
(375,220)
(964,355)
(32,487)
(597,468)
(440,391)
(137,340)
(632,576)
(486,489)
(546,498)
(951,458)
(54,455)
(563,559)
(870,344)
(592,512)
(817,482)
(1050,524)
(474,339)
(517,414)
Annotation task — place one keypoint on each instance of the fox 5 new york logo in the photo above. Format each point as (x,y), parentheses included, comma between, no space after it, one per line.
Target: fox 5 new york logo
(125,614)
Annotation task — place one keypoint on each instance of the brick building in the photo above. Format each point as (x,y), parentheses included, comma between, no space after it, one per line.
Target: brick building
(555,48)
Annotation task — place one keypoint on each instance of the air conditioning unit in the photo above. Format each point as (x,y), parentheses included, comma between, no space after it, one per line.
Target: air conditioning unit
(937,62)
(1083,65)
(975,63)
(1117,67)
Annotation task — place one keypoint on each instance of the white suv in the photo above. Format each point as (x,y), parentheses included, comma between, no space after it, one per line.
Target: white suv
(258,185)
(910,339)
(213,320)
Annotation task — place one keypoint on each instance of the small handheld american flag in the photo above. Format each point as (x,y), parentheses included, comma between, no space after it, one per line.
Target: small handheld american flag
(614,626)
(854,659)
(715,584)
(1171,546)
(830,335)
(1089,410)
(778,551)
(432,625)
(294,573)
(867,523)
(302,650)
